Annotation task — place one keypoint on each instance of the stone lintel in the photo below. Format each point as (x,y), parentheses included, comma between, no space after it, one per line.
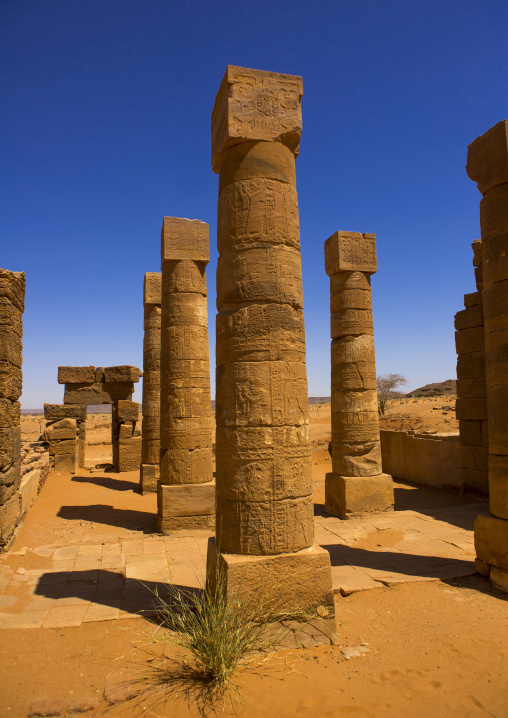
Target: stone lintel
(76,374)
(184,239)
(350,252)
(152,288)
(256,105)
(300,581)
(351,496)
(487,158)
(491,541)
(98,393)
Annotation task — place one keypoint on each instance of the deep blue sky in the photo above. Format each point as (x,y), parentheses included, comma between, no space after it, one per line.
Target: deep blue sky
(106,129)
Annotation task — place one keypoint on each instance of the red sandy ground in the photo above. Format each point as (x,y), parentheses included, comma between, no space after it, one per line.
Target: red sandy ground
(435,649)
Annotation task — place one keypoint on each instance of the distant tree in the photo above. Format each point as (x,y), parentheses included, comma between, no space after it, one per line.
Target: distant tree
(387,385)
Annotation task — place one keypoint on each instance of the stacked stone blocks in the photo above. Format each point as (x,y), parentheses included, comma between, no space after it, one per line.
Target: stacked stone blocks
(487,165)
(264,522)
(126,435)
(186,490)
(150,446)
(357,484)
(12,305)
(471,405)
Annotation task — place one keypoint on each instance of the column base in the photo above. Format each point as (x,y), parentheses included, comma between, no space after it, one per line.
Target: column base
(185,506)
(491,543)
(351,496)
(299,582)
(148,477)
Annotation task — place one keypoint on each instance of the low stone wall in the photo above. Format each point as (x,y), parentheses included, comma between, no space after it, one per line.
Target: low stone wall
(427,459)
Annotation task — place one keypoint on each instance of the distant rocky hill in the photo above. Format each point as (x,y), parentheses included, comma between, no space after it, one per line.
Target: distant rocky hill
(443,388)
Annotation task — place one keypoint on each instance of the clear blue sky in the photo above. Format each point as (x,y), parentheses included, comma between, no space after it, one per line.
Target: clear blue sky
(106,129)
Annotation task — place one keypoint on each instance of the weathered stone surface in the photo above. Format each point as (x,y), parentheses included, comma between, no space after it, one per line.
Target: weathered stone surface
(127,454)
(169,524)
(496,360)
(251,160)
(471,365)
(10,346)
(356,459)
(186,466)
(256,105)
(9,413)
(495,258)
(358,426)
(491,540)
(487,158)
(10,445)
(55,412)
(124,373)
(350,290)
(471,408)
(497,409)
(76,374)
(152,288)
(186,343)
(63,429)
(99,375)
(498,485)
(350,322)
(192,433)
(128,410)
(350,252)
(471,433)
(125,430)
(471,388)
(471,300)
(494,211)
(65,446)
(469,318)
(344,401)
(184,276)
(10,316)
(149,477)
(12,287)
(188,402)
(474,457)
(9,516)
(187,499)
(469,340)
(300,580)
(66,463)
(495,306)
(107,393)
(184,239)
(499,578)
(349,496)
(11,381)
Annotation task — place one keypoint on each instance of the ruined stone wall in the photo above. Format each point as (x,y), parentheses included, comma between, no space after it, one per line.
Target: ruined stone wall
(12,305)
(471,405)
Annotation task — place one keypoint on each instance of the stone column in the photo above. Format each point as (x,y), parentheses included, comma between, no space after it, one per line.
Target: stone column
(357,485)
(186,490)
(487,165)
(150,447)
(265,512)
(12,306)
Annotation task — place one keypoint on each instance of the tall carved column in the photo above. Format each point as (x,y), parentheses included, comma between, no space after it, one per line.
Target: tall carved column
(151,429)
(186,490)
(487,165)
(265,511)
(357,485)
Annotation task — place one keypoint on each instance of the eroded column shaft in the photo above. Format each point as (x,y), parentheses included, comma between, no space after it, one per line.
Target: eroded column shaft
(150,447)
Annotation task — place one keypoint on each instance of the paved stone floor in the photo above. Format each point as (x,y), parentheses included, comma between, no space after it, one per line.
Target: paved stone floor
(429,538)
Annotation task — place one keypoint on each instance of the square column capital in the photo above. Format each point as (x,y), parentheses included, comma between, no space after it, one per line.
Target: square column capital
(487,158)
(256,105)
(184,239)
(350,252)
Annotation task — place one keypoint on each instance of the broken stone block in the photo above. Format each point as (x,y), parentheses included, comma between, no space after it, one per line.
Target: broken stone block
(63,429)
(125,373)
(76,374)
(127,411)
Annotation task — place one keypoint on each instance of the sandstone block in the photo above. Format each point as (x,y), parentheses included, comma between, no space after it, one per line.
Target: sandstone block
(190,434)
(10,445)
(267,274)
(125,431)
(496,360)
(10,346)
(265,527)
(291,581)
(357,427)
(351,376)
(471,365)
(187,402)
(184,239)
(257,212)
(12,287)
(187,499)
(469,318)
(495,306)
(76,374)
(7,491)
(184,309)
(356,459)
(261,393)
(350,290)
(167,525)
(478,277)
(151,404)
(151,428)
(494,211)
(471,388)
(498,485)
(474,457)
(256,105)
(487,158)
(10,512)
(149,477)
(125,373)
(491,540)
(152,318)
(354,401)
(127,454)
(151,363)
(10,316)
(63,429)
(471,408)
(186,342)
(66,463)
(107,393)
(66,446)
(184,276)
(353,349)
(495,262)
(351,321)
(150,451)
(350,252)
(471,433)
(471,300)
(55,412)
(254,160)
(469,340)
(11,381)
(347,496)
(152,288)
(181,466)
(497,409)
(10,414)
(127,410)
(11,474)
(260,332)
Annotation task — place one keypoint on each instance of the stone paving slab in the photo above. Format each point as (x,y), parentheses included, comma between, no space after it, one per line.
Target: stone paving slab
(117,580)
